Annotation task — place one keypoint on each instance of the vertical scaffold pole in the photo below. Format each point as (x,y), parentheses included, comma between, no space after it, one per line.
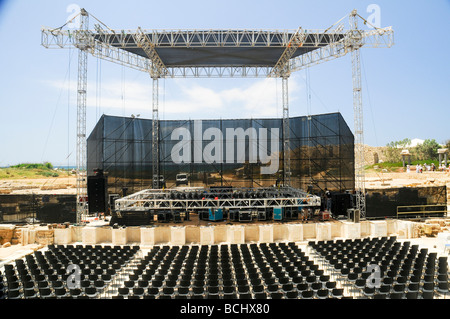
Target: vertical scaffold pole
(82,44)
(286,146)
(155,135)
(358,116)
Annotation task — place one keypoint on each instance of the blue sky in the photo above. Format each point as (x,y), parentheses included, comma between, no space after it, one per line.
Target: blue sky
(406,88)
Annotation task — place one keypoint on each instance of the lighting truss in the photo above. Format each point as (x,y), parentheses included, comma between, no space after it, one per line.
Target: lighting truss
(159,199)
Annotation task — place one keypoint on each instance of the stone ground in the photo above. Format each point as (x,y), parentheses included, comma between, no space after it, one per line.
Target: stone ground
(403,179)
(67,184)
(51,185)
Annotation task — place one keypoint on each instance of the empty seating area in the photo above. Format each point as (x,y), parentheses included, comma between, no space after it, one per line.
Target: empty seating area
(236,271)
(371,268)
(46,274)
(383,268)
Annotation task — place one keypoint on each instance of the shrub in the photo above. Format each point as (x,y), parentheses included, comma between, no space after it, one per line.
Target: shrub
(428,150)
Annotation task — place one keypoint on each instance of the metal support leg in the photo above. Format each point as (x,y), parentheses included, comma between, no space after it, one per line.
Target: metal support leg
(286,146)
(358,117)
(359,136)
(83,45)
(155,135)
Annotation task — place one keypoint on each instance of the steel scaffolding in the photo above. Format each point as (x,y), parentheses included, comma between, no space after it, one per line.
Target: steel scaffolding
(299,49)
(82,43)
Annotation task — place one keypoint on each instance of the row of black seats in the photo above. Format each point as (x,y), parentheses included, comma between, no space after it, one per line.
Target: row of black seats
(403,270)
(48,274)
(228,271)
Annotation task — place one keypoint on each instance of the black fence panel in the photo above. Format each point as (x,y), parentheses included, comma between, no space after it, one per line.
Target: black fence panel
(237,153)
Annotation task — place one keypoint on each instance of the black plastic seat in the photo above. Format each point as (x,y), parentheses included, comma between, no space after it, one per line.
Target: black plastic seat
(184,283)
(14,294)
(228,290)
(384,289)
(256,288)
(427,294)
(183,291)
(307,294)
(272,288)
(30,294)
(322,293)
(442,287)
(428,286)
(153,291)
(198,291)
(123,291)
(337,293)
(412,295)
(316,286)
(138,291)
(396,295)
(91,292)
(60,292)
(412,287)
(213,290)
(302,286)
(260,295)
(45,293)
(369,291)
(13,285)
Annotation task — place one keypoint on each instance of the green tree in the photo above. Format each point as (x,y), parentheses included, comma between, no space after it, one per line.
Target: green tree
(48,165)
(428,150)
(400,144)
(393,150)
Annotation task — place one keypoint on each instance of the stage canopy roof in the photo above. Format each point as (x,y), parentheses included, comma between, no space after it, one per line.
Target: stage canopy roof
(219,48)
(217,53)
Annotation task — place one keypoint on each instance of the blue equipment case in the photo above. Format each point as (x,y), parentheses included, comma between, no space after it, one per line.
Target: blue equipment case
(278,213)
(215,214)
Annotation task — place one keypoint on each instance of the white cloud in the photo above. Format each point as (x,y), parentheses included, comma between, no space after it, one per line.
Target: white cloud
(253,99)
(260,98)
(193,99)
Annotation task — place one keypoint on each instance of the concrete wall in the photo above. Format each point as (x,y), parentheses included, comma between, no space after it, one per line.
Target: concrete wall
(218,234)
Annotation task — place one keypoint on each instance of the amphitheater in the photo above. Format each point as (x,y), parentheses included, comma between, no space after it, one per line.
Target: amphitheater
(312,258)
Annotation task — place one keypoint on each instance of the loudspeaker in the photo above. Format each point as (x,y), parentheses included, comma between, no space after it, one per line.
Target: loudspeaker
(340,203)
(97,194)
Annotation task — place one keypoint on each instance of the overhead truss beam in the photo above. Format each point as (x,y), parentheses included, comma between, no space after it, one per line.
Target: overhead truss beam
(162,199)
(158,68)
(112,45)
(281,68)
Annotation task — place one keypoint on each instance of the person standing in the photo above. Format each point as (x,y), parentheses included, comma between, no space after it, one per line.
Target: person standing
(328,197)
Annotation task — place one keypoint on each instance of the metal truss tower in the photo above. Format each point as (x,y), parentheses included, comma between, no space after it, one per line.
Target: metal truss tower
(286,132)
(157,70)
(281,69)
(355,45)
(155,135)
(82,43)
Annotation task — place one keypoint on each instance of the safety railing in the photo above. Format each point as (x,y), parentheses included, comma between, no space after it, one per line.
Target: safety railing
(437,210)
